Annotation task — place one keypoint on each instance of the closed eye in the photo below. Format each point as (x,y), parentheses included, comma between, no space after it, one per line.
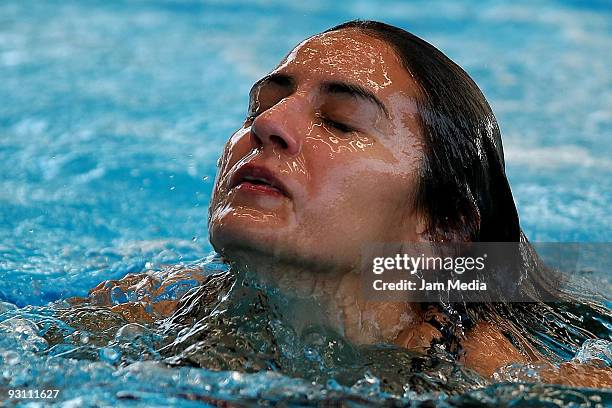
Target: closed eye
(337,125)
(251,117)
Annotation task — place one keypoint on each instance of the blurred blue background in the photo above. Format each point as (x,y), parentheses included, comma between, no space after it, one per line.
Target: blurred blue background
(113,113)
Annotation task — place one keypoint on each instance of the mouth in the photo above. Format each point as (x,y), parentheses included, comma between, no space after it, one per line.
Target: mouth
(257,179)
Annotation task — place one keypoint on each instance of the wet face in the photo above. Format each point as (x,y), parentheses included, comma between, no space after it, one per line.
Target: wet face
(326,161)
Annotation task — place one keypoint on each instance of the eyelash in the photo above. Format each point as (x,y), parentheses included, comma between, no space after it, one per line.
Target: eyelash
(339,126)
(336,125)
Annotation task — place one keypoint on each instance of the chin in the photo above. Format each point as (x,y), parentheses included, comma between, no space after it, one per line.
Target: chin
(268,248)
(240,233)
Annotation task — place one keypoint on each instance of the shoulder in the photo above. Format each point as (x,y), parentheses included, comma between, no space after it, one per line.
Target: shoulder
(154,293)
(485,348)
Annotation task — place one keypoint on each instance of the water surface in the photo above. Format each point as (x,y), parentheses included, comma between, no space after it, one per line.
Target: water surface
(113,114)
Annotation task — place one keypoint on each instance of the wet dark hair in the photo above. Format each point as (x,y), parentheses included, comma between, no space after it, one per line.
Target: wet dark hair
(465,195)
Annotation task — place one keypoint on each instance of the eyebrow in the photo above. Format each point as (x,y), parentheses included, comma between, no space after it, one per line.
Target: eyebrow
(330,87)
(283,80)
(355,91)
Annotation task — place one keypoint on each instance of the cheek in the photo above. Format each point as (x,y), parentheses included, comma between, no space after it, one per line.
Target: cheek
(346,165)
(321,151)
(328,145)
(361,192)
(237,148)
(362,184)
(356,208)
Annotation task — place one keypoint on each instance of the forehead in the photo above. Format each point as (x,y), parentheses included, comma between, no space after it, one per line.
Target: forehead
(348,55)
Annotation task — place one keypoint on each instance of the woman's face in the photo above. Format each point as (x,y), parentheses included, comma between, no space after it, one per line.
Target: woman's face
(327,159)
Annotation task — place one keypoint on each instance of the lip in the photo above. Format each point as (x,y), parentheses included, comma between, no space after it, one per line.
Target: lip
(258,178)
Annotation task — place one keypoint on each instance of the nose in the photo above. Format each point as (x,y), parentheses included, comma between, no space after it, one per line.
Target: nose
(279,127)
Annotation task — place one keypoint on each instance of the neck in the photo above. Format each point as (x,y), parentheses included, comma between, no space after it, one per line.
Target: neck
(338,297)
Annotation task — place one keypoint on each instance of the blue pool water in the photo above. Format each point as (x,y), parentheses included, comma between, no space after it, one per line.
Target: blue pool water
(112,116)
